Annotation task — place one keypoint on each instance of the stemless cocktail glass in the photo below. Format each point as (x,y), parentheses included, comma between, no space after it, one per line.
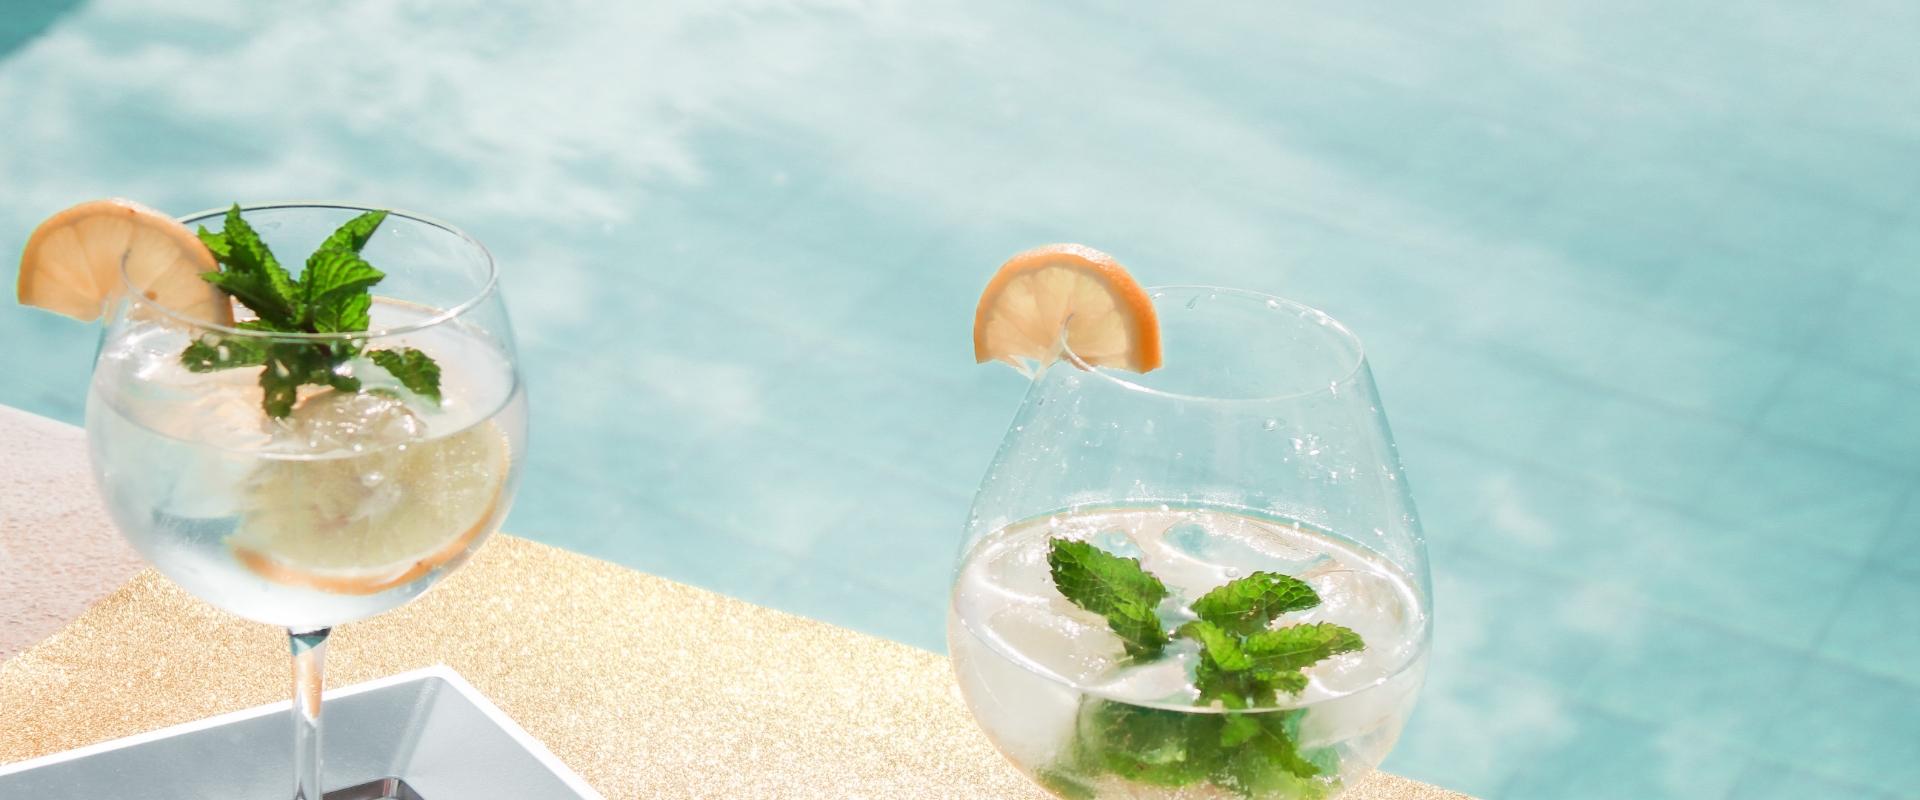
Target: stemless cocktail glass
(357,501)
(1260,447)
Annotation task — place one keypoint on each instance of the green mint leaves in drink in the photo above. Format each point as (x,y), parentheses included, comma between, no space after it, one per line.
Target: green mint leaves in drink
(332,295)
(1243,664)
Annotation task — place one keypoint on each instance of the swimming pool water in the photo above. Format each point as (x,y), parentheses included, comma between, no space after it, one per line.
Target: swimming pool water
(1637,281)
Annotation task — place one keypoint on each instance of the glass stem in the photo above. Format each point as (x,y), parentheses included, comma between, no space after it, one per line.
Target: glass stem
(309,667)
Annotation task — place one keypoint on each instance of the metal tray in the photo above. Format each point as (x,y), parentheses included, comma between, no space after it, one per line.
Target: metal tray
(421,735)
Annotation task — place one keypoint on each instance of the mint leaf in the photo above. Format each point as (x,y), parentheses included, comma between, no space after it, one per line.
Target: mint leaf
(1220,648)
(415,371)
(267,281)
(1114,587)
(208,357)
(257,292)
(215,242)
(1277,744)
(1297,647)
(286,369)
(354,234)
(1238,729)
(335,275)
(1244,688)
(290,365)
(344,316)
(1154,746)
(1268,763)
(1248,604)
(336,281)
(1230,675)
(215,352)
(1097,580)
(1139,629)
(1275,681)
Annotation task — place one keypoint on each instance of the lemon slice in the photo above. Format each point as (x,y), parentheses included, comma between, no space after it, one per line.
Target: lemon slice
(1066,294)
(368,521)
(72,263)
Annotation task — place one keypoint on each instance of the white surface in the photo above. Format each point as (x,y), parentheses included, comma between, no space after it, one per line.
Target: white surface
(58,551)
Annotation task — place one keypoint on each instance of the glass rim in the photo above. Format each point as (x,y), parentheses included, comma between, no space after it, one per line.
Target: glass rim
(1340,330)
(487,289)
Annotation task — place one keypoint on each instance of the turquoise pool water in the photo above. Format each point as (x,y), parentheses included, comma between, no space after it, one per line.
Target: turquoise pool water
(1638,281)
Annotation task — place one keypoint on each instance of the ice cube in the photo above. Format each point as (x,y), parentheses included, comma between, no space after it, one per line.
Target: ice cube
(1211,549)
(1018,574)
(1374,606)
(1272,547)
(1184,556)
(1117,542)
(217,410)
(1074,647)
(351,421)
(1164,680)
(1189,539)
(140,375)
(225,412)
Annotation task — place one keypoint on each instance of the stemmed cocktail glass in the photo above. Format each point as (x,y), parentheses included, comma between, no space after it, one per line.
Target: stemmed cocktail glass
(366,490)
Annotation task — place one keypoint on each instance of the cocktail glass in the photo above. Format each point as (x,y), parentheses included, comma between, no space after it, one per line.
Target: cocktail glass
(356,502)
(1260,446)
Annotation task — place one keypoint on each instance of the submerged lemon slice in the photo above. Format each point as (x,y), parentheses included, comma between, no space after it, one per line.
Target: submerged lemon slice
(1067,294)
(364,522)
(72,263)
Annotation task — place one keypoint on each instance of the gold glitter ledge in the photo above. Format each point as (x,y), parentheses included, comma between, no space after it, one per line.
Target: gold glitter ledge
(646,687)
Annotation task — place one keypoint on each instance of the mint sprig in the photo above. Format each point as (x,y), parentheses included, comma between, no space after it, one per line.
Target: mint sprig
(1243,664)
(332,295)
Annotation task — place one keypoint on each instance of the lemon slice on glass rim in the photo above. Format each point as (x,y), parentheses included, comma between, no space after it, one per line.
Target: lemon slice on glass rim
(357,518)
(1066,296)
(73,263)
